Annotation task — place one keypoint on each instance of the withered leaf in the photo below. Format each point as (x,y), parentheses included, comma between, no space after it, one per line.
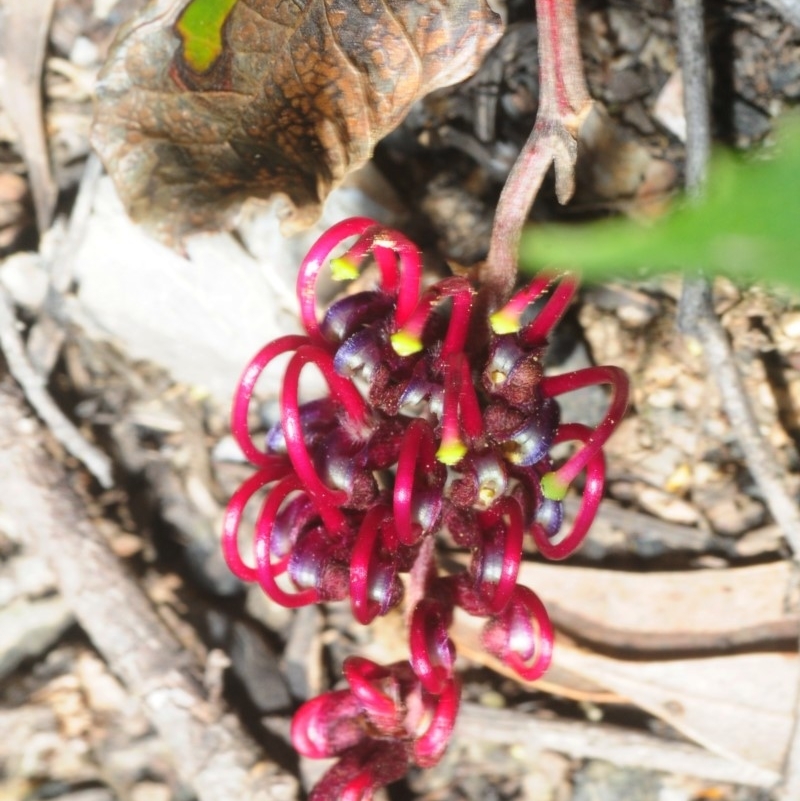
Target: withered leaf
(204,104)
(738,705)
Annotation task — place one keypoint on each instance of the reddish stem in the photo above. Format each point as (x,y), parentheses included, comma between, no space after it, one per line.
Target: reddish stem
(564,103)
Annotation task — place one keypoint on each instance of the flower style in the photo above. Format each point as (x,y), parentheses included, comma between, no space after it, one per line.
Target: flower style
(427,433)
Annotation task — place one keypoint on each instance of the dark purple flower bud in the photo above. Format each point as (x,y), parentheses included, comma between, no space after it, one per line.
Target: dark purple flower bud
(419,392)
(348,314)
(483,480)
(385,587)
(389,383)
(340,469)
(361,352)
(383,448)
(502,420)
(290,521)
(316,417)
(461,524)
(319,563)
(549,515)
(513,372)
(531,442)
(426,507)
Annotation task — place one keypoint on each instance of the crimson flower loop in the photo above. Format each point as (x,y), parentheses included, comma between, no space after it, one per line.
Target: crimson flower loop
(424,433)
(377,689)
(557,548)
(522,635)
(244,393)
(233,518)
(417,459)
(500,553)
(432,650)
(266,570)
(374,587)
(432,743)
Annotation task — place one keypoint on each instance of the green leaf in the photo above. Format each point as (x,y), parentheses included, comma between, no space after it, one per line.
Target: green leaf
(200,28)
(747,225)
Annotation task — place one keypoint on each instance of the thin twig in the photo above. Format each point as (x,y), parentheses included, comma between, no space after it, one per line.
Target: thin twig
(212,753)
(33,385)
(62,263)
(564,104)
(609,743)
(698,319)
(696,316)
(694,70)
(48,333)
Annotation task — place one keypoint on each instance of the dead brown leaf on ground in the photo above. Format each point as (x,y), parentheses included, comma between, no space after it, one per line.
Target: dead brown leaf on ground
(298,96)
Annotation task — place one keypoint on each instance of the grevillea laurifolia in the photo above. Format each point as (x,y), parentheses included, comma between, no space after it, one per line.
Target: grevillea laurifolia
(429,434)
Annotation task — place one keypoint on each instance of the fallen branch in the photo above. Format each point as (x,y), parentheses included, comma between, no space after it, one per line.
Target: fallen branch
(609,743)
(211,751)
(33,385)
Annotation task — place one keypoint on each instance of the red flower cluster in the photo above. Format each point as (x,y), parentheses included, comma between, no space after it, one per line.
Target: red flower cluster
(428,432)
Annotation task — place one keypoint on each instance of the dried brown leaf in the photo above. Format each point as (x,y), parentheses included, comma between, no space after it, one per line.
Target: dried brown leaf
(298,96)
(739,706)
(698,610)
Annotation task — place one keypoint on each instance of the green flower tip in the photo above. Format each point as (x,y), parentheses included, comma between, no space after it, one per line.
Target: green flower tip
(451,452)
(504,323)
(553,488)
(342,269)
(405,344)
